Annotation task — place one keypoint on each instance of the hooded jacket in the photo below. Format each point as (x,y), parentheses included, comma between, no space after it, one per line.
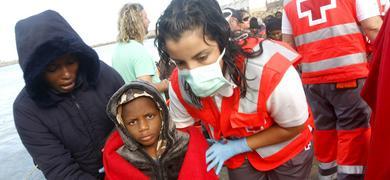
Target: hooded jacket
(63,132)
(124,158)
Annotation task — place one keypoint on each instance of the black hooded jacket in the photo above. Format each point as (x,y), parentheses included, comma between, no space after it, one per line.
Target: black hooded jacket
(64,133)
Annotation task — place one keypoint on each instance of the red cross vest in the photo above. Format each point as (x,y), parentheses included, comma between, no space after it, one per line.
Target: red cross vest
(230,123)
(329,39)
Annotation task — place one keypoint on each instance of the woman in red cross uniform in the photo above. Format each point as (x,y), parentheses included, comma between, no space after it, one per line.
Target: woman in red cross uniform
(246,93)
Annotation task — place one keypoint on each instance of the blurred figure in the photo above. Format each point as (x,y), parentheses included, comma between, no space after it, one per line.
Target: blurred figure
(328,35)
(131,59)
(243,19)
(230,16)
(274,29)
(256,28)
(59,114)
(238,19)
(376,93)
(268,18)
(278,15)
(254,23)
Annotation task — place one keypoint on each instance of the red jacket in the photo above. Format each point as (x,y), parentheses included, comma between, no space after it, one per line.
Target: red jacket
(193,167)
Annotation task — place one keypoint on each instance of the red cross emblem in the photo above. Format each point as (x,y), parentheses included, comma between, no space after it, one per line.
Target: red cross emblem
(315,10)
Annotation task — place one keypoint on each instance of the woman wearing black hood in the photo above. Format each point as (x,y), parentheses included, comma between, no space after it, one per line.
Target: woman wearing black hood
(60,113)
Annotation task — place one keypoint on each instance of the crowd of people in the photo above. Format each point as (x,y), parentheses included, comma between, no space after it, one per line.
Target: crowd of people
(261,97)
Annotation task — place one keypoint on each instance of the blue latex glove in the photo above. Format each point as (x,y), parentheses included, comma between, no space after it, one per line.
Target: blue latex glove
(219,152)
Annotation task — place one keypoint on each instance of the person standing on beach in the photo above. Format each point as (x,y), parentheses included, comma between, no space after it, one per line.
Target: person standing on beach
(131,59)
(246,93)
(60,113)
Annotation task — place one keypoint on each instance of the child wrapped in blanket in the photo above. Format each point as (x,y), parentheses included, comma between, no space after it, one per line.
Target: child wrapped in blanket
(146,144)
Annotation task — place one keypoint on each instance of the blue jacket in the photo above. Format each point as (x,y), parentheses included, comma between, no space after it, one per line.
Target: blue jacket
(64,133)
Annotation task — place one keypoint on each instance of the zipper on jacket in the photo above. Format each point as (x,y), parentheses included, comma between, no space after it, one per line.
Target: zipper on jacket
(84,120)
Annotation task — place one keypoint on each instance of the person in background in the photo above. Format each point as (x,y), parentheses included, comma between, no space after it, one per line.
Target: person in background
(238,19)
(239,23)
(59,114)
(253,23)
(243,19)
(334,69)
(230,16)
(268,18)
(274,29)
(256,28)
(146,144)
(376,93)
(246,93)
(131,59)
(279,15)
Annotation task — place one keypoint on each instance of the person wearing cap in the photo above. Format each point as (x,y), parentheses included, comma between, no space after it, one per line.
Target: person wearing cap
(238,19)
(59,114)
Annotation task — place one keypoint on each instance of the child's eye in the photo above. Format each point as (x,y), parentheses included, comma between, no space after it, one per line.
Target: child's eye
(131,122)
(149,116)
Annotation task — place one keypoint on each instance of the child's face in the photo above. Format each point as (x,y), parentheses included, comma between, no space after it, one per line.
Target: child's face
(191,50)
(143,121)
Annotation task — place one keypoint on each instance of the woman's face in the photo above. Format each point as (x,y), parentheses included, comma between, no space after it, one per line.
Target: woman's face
(191,50)
(61,74)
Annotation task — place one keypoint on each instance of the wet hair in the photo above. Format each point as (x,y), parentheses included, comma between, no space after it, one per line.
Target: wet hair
(130,23)
(190,15)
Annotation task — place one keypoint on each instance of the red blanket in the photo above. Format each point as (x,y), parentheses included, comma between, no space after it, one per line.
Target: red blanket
(194,164)
(377,94)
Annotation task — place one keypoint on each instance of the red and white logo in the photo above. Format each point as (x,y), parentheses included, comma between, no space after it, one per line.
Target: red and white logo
(315,10)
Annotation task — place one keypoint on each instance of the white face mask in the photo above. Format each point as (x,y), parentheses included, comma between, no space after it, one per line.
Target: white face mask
(205,80)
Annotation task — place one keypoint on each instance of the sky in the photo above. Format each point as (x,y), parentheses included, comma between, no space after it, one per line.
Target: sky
(94,20)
